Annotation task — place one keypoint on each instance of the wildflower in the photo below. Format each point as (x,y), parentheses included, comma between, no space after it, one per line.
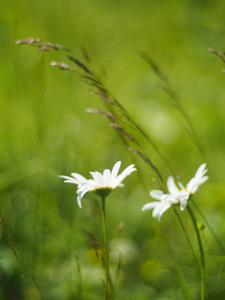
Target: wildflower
(175,195)
(102,184)
(159,207)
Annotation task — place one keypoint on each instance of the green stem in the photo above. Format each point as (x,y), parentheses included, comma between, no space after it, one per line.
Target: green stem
(203,294)
(186,235)
(222,249)
(107,274)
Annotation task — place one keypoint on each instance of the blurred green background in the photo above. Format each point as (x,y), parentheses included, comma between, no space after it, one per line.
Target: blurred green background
(46,132)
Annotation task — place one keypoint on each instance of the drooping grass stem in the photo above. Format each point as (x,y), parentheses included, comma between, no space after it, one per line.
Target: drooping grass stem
(203,292)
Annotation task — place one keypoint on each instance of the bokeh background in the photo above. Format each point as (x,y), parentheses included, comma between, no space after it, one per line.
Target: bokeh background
(46,132)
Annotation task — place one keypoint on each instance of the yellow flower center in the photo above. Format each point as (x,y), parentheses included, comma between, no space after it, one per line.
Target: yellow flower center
(184,190)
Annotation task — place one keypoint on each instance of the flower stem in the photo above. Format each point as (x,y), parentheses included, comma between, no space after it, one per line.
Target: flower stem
(186,235)
(107,293)
(203,293)
(222,249)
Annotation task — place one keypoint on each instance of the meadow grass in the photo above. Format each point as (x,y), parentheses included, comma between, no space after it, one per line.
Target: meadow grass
(152,60)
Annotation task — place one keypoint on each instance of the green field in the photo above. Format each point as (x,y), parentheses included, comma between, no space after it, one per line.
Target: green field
(153,57)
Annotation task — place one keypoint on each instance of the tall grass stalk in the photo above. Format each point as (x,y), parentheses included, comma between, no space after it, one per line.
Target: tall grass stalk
(175,101)
(115,108)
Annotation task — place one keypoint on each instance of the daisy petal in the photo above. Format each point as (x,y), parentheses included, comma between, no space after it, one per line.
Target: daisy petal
(114,172)
(156,194)
(123,175)
(201,170)
(164,208)
(172,188)
(69,179)
(106,177)
(150,205)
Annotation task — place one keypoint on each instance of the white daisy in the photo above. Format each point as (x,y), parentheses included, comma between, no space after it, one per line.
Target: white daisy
(175,195)
(102,184)
(159,207)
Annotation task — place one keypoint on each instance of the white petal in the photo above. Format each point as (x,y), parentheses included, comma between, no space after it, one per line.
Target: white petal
(201,170)
(157,209)
(169,199)
(201,174)
(203,179)
(106,178)
(91,182)
(190,185)
(80,196)
(119,185)
(66,177)
(172,188)
(114,172)
(183,204)
(98,178)
(79,178)
(181,185)
(164,208)
(150,205)
(156,194)
(123,175)
(79,200)
(69,179)
(89,186)
(194,184)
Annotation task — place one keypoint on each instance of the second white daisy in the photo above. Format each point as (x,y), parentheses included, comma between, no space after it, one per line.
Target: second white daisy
(176,195)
